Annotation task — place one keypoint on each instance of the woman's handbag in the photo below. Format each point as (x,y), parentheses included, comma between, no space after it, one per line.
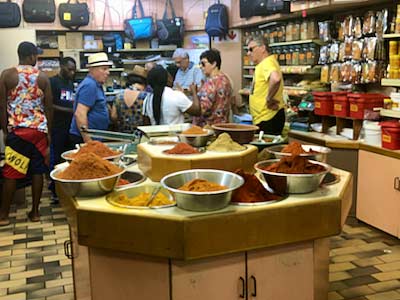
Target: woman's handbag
(139,28)
(39,11)
(170,31)
(73,15)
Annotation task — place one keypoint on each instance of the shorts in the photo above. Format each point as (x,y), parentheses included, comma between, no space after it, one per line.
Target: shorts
(25,153)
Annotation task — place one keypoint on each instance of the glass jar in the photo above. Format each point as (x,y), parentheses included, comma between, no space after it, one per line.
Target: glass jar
(296,31)
(304,30)
(312,30)
(295,55)
(289,33)
(282,56)
(288,56)
(302,55)
(310,55)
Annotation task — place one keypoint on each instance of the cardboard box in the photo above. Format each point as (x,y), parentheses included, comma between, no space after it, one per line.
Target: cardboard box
(62,42)
(50,53)
(74,40)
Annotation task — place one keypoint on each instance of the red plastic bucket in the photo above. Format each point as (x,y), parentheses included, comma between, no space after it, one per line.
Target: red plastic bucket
(361,103)
(391,135)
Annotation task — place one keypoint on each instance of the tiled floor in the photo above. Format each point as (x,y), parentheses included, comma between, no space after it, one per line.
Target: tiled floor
(365,262)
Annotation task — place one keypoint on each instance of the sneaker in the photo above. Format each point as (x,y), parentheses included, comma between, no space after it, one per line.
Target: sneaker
(54,200)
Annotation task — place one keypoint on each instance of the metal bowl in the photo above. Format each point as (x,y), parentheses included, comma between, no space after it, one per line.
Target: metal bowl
(134,177)
(196,140)
(198,201)
(87,187)
(66,155)
(135,191)
(283,183)
(320,156)
(240,133)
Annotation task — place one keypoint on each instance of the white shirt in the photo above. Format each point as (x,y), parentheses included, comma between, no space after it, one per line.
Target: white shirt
(173,105)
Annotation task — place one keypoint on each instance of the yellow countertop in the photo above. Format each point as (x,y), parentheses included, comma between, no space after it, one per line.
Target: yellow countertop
(179,234)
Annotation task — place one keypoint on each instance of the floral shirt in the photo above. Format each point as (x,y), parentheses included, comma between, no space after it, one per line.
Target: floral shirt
(215,101)
(24,104)
(129,117)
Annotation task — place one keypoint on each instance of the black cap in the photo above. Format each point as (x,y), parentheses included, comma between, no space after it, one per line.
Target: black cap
(26,49)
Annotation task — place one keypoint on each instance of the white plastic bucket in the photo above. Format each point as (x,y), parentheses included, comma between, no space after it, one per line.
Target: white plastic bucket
(372,133)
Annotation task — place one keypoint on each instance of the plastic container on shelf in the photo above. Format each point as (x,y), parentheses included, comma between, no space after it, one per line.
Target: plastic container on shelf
(323,103)
(340,104)
(391,135)
(363,104)
(372,133)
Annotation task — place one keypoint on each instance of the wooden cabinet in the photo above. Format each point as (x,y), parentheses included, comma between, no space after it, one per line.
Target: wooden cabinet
(378,200)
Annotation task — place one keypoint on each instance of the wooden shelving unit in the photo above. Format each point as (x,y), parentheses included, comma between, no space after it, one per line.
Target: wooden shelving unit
(390,82)
(317,42)
(328,121)
(391,36)
(390,113)
(295,69)
(147,49)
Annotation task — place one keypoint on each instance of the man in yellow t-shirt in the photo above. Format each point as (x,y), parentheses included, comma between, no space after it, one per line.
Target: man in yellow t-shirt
(266,95)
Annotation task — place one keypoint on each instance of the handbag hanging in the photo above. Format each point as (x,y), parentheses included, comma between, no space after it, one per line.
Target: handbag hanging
(73,15)
(39,11)
(10,15)
(170,31)
(139,28)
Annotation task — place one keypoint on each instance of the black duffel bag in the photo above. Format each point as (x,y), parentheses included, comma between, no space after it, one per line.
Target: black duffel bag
(73,15)
(10,15)
(270,7)
(39,11)
(170,31)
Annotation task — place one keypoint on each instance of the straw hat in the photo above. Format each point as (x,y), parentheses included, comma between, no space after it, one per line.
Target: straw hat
(139,71)
(98,59)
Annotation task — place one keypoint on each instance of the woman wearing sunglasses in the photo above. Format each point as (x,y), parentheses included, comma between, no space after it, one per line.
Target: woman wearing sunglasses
(215,94)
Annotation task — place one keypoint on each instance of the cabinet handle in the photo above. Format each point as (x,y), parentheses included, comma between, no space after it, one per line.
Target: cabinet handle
(397,183)
(254,293)
(68,249)
(243,294)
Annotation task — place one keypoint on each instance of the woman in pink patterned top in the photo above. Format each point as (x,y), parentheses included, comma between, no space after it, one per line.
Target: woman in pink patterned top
(215,94)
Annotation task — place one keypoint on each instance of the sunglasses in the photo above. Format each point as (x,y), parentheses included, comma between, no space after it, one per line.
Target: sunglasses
(203,63)
(251,49)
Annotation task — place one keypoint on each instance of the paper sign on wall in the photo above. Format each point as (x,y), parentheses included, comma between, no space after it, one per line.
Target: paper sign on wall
(231,37)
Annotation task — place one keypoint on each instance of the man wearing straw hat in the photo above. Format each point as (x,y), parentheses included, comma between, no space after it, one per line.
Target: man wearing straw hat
(90,107)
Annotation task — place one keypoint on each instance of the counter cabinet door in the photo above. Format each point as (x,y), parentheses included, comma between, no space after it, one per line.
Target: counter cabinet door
(378,200)
(283,273)
(216,278)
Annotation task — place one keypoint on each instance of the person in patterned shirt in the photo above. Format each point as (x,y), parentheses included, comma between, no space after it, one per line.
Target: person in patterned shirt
(216,93)
(26,115)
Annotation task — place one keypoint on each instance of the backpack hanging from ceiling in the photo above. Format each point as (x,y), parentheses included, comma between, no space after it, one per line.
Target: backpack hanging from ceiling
(170,31)
(217,20)
(39,11)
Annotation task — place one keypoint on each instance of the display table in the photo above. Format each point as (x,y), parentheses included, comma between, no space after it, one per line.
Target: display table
(238,251)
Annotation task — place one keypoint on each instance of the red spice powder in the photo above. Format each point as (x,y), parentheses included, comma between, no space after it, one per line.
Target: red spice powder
(182,148)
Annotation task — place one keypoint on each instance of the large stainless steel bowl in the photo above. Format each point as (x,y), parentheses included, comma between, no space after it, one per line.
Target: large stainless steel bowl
(240,133)
(283,183)
(86,187)
(134,177)
(320,156)
(198,201)
(66,155)
(196,140)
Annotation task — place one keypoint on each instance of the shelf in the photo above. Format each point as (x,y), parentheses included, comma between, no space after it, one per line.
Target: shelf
(391,36)
(83,50)
(317,42)
(295,69)
(147,49)
(248,76)
(111,70)
(249,67)
(390,113)
(244,92)
(390,82)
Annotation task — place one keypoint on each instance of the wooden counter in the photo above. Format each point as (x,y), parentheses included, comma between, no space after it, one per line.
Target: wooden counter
(174,254)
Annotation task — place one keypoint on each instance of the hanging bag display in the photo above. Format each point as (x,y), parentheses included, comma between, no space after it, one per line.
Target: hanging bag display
(217,20)
(270,7)
(139,28)
(39,11)
(73,15)
(170,31)
(10,15)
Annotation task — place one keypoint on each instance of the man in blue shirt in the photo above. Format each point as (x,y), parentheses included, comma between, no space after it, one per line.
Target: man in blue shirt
(90,107)
(188,72)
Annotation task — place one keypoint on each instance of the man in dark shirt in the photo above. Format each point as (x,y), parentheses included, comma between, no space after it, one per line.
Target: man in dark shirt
(62,87)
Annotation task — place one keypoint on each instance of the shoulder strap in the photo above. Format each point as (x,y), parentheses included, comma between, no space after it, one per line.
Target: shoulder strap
(165,16)
(140,8)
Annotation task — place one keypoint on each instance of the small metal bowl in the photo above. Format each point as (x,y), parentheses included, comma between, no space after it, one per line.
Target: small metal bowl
(66,155)
(87,187)
(198,201)
(320,156)
(133,177)
(196,140)
(283,183)
(240,133)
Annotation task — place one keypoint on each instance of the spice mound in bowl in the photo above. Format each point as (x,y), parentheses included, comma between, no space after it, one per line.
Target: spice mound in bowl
(95,147)
(295,165)
(89,166)
(182,148)
(195,130)
(252,191)
(202,185)
(141,199)
(295,148)
(224,143)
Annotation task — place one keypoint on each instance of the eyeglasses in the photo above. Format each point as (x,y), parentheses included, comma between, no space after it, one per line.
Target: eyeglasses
(251,49)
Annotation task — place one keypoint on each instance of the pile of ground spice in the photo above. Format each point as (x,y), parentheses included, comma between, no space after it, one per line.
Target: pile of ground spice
(295,148)
(201,185)
(182,148)
(196,130)
(252,190)
(224,143)
(89,166)
(97,148)
(294,165)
